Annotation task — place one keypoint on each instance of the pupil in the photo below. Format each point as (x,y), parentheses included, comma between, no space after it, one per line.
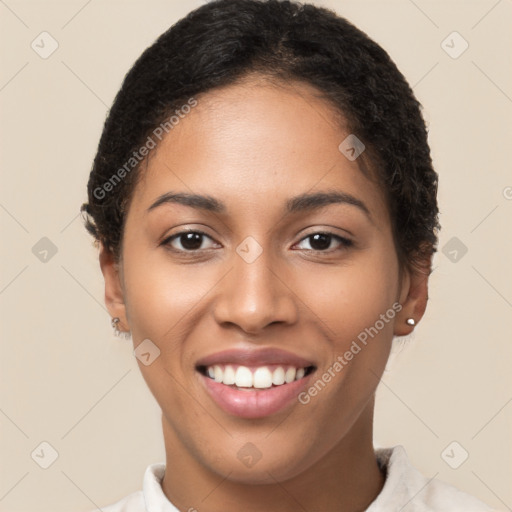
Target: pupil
(321,241)
(191,241)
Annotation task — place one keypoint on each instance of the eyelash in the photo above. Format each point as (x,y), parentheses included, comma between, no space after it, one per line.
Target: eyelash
(345,242)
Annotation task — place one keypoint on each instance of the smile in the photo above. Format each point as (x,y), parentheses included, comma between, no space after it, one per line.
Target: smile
(254,383)
(255,392)
(262,377)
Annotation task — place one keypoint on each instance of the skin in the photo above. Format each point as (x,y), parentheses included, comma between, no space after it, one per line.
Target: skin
(253,146)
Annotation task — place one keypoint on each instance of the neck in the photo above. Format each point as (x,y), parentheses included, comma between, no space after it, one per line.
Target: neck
(346,479)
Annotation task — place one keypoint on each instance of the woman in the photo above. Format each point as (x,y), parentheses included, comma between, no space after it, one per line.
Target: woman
(264,203)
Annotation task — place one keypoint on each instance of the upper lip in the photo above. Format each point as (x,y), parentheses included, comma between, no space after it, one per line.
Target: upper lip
(255,357)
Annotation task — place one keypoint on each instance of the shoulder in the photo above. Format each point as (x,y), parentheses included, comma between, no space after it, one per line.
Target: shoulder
(409,490)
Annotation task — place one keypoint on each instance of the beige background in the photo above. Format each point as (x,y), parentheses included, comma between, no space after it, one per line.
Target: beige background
(66,380)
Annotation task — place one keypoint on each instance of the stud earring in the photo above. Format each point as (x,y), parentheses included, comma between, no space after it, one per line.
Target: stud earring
(410,321)
(120,334)
(114,323)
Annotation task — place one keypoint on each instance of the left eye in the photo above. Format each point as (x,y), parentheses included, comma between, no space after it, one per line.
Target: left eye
(189,240)
(322,241)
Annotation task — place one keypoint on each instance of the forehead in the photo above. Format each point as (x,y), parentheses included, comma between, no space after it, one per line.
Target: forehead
(256,144)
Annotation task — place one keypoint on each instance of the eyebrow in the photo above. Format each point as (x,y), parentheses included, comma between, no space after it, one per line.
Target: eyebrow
(193,200)
(300,203)
(306,202)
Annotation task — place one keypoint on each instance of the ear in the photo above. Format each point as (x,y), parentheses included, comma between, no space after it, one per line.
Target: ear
(413,297)
(114,294)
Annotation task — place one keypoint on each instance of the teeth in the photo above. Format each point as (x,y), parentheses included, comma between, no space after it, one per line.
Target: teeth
(278,376)
(259,378)
(262,378)
(289,376)
(229,376)
(243,377)
(217,373)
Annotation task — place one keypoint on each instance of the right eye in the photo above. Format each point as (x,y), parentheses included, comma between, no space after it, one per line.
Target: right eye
(190,241)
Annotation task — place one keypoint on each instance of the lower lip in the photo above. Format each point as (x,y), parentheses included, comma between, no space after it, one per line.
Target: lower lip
(254,403)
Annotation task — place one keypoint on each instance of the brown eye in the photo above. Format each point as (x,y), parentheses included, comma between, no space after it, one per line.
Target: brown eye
(322,241)
(187,241)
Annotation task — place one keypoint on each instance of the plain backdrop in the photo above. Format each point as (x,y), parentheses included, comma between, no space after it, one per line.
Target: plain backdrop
(66,381)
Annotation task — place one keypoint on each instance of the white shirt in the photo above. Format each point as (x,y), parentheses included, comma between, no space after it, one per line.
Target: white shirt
(405,490)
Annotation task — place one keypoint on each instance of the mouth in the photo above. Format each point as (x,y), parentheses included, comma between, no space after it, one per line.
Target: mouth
(259,377)
(254,384)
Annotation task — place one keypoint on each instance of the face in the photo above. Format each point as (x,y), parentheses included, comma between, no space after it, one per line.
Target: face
(273,299)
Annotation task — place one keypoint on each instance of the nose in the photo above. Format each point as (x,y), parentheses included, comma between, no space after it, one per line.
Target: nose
(255,295)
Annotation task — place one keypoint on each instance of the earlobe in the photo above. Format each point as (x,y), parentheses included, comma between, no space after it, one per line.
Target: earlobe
(413,298)
(114,295)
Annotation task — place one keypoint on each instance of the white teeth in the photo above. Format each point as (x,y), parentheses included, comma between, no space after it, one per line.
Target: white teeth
(229,375)
(260,378)
(217,373)
(243,377)
(278,376)
(289,376)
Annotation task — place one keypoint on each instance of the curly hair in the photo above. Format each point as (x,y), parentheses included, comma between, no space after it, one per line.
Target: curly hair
(223,42)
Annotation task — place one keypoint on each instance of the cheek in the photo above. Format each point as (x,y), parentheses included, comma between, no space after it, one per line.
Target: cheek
(352,296)
(161,303)
(160,295)
(355,303)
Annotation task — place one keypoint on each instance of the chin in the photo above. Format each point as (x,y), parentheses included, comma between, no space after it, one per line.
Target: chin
(251,466)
